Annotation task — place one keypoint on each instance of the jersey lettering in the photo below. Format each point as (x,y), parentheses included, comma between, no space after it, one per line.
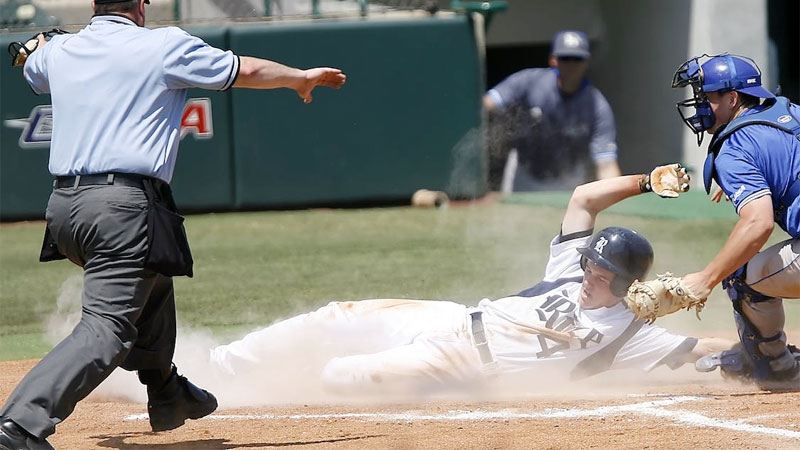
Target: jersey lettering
(558,313)
(547,349)
(592,336)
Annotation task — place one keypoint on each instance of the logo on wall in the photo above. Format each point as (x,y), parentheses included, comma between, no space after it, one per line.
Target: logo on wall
(196,119)
(37,129)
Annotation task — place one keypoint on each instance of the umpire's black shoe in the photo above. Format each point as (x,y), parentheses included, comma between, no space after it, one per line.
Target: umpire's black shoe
(13,437)
(177,401)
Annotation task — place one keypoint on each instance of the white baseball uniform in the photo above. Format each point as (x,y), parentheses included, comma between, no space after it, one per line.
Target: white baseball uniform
(385,344)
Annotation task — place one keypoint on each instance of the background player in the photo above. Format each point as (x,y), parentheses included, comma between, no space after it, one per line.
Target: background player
(563,128)
(754,156)
(573,323)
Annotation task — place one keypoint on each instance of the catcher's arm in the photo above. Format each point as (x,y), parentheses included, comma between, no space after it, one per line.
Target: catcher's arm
(19,52)
(751,232)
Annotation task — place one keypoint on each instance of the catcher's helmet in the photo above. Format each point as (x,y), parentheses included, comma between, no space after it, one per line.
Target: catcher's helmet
(719,73)
(624,252)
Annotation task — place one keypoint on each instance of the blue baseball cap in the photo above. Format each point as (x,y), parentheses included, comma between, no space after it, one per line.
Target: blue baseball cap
(571,43)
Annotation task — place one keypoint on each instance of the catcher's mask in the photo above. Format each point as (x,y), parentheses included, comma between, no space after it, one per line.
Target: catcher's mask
(624,252)
(723,73)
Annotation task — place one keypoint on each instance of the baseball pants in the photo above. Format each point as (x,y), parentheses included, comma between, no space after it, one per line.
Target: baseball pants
(128,316)
(386,345)
(774,272)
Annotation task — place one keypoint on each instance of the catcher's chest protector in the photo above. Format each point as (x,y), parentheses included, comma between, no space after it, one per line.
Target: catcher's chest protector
(776,115)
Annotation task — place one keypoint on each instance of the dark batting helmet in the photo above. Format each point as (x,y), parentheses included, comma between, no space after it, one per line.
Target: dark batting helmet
(624,252)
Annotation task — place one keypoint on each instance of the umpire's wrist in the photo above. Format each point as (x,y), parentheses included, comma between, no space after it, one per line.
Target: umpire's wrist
(644,183)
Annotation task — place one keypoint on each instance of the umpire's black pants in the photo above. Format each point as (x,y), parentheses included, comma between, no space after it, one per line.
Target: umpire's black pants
(128,316)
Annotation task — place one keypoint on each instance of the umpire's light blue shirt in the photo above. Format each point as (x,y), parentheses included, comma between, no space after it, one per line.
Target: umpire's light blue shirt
(118,92)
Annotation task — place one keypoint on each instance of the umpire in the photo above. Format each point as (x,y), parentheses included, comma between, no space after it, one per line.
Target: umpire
(118,91)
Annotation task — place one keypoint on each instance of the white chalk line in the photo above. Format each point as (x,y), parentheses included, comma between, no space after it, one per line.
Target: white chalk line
(651,408)
(764,417)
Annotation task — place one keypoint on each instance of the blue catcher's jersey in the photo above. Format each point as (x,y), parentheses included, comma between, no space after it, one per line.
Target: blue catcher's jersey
(761,159)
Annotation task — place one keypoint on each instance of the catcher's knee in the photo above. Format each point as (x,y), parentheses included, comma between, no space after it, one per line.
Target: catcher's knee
(738,290)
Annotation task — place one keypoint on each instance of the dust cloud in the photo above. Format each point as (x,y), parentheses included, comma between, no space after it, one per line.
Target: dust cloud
(289,369)
(68,310)
(293,378)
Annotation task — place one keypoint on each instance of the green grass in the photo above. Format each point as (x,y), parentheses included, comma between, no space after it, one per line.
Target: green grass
(690,205)
(253,268)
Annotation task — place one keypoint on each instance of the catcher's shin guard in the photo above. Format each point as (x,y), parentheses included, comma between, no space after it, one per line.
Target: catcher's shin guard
(750,337)
(748,362)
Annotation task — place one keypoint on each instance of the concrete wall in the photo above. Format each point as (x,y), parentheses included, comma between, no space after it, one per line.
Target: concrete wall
(637,45)
(530,21)
(718,26)
(635,61)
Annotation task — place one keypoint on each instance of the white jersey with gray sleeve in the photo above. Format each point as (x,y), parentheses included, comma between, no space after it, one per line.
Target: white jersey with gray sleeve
(605,338)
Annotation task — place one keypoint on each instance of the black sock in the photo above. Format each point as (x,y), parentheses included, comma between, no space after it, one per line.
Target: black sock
(155,379)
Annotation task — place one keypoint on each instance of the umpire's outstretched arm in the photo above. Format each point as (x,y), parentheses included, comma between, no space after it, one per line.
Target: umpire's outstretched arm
(257,73)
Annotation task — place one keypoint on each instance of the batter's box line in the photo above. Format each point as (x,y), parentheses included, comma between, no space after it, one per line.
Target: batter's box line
(650,408)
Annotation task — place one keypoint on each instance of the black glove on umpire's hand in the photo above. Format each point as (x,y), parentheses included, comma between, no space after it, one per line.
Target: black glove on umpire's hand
(19,52)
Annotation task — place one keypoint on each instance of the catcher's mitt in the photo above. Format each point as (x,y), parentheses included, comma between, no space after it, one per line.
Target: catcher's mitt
(664,295)
(666,181)
(19,52)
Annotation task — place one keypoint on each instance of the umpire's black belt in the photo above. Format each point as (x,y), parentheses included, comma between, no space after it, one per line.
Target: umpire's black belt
(100,179)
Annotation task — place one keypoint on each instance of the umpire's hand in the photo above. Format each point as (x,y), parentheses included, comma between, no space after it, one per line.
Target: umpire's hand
(319,76)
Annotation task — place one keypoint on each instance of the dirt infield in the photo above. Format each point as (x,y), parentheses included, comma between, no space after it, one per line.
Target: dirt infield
(669,409)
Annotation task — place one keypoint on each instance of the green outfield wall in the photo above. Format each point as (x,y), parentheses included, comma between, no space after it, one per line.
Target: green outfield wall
(409,117)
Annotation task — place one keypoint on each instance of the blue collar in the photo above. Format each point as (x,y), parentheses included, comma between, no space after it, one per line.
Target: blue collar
(584,83)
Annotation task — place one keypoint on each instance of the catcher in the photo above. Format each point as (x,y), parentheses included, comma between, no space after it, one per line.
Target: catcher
(754,156)
(574,322)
